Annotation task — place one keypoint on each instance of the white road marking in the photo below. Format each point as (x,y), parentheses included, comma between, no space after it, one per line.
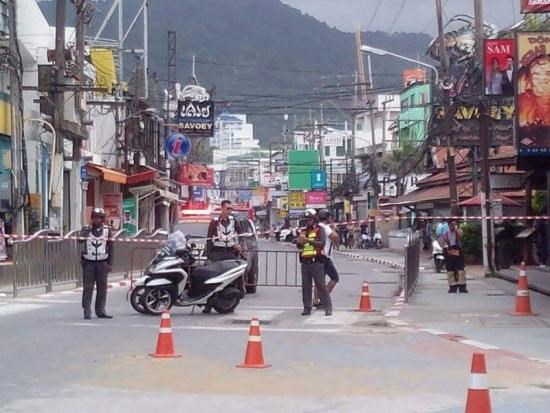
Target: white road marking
(479,344)
(392,314)
(337,318)
(15,308)
(44,300)
(66,292)
(538,360)
(434,332)
(213,328)
(247,314)
(3,295)
(399,322)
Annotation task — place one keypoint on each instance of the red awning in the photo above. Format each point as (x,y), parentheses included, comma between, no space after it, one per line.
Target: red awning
(141,177)
(476,201)
(108,174)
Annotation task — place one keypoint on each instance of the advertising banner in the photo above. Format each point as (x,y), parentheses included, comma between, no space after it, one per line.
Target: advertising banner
(130,216)
(112,204)
(196,118)
(300,164)
(316,199)
(535,6)
(297,200)
(196,175)
(499,56)
(533,95)
(465,126)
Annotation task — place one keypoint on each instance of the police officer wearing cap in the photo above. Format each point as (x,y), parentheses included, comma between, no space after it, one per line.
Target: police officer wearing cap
(97,262)
(311,243)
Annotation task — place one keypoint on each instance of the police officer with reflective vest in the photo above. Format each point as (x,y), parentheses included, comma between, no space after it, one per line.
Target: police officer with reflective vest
(223,235)
(311,243)
(97,262)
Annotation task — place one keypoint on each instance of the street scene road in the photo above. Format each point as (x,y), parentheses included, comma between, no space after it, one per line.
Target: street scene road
(275,206)
(52,360)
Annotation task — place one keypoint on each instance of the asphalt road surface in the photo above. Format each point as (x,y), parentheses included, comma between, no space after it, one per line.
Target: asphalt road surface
(53,360)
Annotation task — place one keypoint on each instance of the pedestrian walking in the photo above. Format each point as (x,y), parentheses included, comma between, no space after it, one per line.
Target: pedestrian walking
(332,240)
(454,259)
(311,243)
(350,241)
(97,263)
(343,230)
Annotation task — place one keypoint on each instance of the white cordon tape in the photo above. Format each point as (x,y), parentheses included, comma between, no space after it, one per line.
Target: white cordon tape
(165,330)
(365,221)
(478,381)
(255,339)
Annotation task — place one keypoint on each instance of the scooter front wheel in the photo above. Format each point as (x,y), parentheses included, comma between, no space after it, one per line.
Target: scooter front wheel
(135,300)
(156,300)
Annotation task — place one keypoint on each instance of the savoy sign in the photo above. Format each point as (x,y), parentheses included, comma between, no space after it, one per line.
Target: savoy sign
(196,118)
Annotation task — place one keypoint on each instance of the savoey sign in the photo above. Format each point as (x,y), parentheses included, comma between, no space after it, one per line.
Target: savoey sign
(196,118)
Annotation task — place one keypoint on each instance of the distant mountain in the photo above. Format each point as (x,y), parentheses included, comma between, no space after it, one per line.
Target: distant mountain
(250,49)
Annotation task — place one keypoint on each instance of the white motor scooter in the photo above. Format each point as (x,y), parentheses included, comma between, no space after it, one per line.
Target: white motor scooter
(173,279)
(438,256)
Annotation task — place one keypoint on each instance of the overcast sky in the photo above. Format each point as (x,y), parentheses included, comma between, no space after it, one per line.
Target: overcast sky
(415,15)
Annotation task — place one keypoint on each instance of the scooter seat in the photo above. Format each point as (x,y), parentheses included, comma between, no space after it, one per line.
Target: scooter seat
(206,272)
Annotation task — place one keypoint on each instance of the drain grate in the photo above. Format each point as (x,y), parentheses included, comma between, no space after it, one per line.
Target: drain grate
(245,322)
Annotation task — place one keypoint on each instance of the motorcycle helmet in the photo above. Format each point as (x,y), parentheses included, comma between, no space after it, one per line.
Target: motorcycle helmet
(98,212)
(324,215)
(310,213)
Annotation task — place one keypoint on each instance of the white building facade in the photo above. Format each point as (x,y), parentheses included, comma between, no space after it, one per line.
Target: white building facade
(233,136)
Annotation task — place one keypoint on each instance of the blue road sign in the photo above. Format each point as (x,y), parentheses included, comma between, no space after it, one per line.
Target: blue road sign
(318,179)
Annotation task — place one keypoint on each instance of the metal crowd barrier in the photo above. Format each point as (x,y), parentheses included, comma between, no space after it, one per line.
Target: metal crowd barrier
(279,269)
(43,263)
(412,263)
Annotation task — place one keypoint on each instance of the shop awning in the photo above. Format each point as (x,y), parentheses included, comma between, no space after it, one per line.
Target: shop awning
(504,200)
(108,174)
(141,177)
(424,195)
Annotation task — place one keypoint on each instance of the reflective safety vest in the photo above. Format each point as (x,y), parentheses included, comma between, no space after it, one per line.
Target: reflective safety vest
(227,236)
(96,247)
(308,250)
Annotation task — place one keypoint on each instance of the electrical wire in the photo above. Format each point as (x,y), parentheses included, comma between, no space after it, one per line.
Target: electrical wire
(390,29)
(374,15)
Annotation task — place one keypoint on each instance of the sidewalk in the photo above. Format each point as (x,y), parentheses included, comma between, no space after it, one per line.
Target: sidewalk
(539,279)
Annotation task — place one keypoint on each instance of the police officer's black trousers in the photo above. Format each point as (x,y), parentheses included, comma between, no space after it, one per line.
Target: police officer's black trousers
(315,272)
(94,273)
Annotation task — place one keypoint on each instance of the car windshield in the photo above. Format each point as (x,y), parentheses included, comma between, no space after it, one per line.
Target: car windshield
(196,231)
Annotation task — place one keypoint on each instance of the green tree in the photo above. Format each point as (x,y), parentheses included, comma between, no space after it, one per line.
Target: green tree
(400,163)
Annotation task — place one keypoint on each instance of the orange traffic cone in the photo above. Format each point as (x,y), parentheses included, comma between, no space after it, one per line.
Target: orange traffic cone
(523,302)
(479,399)
(254,356)
(165,342)
(364,303)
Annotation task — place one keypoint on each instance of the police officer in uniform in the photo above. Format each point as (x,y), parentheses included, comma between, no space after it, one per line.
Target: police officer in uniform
(223,235)
(97,262)
(311,243)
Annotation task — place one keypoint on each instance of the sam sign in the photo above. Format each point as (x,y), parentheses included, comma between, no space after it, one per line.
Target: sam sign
(178,145)
(500,74)
(535,6)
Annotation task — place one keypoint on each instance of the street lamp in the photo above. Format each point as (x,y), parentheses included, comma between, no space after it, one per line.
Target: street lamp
(382,52)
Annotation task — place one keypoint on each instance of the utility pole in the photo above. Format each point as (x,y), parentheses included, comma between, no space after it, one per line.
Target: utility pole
(449,114)
(17,150)
(484,136)
(56,206)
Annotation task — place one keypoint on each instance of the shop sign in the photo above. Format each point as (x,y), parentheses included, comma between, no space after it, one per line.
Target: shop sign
(196,117)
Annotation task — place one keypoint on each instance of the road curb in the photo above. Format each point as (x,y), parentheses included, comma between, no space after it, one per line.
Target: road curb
(514,280)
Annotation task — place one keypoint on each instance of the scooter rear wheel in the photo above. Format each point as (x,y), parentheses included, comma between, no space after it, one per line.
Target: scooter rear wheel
(226,305)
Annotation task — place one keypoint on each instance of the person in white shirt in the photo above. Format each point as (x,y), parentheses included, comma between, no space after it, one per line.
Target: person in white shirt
(332,239)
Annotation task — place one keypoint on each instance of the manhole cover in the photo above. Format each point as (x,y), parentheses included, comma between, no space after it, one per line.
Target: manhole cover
(263,323)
